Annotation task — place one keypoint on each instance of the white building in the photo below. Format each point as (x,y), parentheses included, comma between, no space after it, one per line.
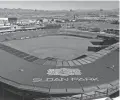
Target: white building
(45,20)
(3,21)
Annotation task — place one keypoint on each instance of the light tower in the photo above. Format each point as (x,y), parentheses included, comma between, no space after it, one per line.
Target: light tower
(101,14)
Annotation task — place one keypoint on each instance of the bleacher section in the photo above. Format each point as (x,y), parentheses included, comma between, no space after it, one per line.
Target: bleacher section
(18,53)
(57,62)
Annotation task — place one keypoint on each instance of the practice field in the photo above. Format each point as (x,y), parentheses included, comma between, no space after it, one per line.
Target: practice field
(61,47)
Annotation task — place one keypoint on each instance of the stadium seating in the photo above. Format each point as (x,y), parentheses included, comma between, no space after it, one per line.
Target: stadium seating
(82,62)
(76,62)
(71,63)
(65,63)
(57,62)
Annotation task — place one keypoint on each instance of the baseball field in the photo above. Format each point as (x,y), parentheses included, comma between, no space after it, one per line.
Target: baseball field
(61,47)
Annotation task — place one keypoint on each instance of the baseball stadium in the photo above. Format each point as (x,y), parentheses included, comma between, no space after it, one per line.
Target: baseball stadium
(59,65)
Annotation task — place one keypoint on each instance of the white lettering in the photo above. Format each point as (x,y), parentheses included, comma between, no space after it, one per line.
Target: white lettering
(57,79)
(49,79)
(61,79)
(65,79)
(37,79)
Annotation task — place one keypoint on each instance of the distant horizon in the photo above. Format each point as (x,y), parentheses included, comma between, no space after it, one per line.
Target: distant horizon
(60,5)
(56,10)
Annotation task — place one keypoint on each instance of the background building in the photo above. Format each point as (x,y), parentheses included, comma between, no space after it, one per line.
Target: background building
(12,20)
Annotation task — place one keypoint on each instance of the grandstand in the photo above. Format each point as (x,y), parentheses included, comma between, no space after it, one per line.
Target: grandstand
(55,78)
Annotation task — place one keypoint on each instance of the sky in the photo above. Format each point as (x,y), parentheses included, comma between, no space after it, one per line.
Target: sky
(60,5)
